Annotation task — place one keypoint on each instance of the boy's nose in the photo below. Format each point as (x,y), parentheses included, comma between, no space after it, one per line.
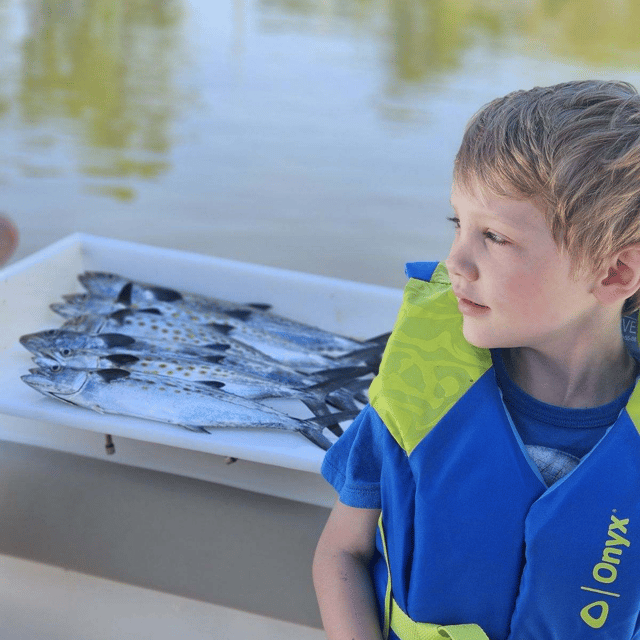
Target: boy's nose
(460,264)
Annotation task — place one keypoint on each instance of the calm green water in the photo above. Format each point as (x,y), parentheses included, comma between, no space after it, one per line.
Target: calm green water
(316,135)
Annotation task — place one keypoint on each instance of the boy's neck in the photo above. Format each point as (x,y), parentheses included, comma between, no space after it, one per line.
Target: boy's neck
(576,378)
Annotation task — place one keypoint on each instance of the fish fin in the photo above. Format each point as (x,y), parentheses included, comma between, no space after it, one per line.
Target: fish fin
(124,297)
(222,328)
(197,429)
(164,294)
(62,309)
(239,314)
(216,346)
(213,359)
(316,437)
(340,416)
(121,359)
(120,315)
(216,384)
(260,306)
(109,375)
(151,310)
(116,340)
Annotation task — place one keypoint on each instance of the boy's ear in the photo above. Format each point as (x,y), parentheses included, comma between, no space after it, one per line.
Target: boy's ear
(623,277)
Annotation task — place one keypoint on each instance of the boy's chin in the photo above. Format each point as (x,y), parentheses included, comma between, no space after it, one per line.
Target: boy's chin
(483,340)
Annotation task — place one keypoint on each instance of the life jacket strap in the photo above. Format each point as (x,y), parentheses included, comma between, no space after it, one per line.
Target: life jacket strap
(407,629)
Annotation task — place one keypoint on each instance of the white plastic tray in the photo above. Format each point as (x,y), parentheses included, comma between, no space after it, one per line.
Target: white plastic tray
(29,286)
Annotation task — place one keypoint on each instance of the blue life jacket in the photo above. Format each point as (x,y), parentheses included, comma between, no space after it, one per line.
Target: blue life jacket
(475,536)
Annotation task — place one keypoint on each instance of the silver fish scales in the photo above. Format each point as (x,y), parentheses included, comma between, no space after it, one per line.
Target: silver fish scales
(61,343)
(180,327)
(132,292)
(212,372)
(178,402)
(246,377)
(259,334)
(151,323)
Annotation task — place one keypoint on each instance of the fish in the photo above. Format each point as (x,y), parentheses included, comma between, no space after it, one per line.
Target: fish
(65,341)
(213,371)
(151,323)
(76,305)
(178,402)
(136,347)
(134,293)
(79,350)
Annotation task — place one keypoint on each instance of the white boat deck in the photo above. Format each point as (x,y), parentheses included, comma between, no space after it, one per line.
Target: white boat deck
(41,602)
(163,539)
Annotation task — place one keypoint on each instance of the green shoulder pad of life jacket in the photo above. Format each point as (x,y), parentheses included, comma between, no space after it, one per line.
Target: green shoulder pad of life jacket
(633,404)
(427,365)
(633,407)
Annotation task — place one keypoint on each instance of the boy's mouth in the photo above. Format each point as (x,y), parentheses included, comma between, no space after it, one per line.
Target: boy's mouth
(467,305)
(475,304)
(470,308)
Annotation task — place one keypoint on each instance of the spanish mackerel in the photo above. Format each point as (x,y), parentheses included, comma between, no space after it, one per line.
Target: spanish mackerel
(65,342)
(132,292)
(213,372)
(79,350)
(151,323)
(178,402)
(234,324)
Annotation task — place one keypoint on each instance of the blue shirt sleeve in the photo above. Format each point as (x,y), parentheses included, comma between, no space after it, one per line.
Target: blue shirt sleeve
(353,464)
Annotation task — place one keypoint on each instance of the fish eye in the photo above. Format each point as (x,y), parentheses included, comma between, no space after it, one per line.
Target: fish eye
(55,367)
(65,352)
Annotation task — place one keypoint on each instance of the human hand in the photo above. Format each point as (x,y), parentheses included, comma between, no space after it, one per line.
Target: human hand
(8,239)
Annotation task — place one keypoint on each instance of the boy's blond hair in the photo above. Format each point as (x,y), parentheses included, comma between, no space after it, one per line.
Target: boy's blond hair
(573,149)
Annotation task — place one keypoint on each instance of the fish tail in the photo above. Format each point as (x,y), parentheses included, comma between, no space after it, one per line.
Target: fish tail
(319,408)
(341,399)
(361,396)
(347,376)
(323,375)
(340,416)
(337,391)
(380,340)
(369,356)
(316,437)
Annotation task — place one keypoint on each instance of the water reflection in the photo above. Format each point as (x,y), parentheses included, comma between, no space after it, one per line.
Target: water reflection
(428,37)
(294,133)
(107,67)
(106,70)
(602,33)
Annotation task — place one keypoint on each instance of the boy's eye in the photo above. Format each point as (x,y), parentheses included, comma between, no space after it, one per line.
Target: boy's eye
(456,221)
(496,239)
(492,237)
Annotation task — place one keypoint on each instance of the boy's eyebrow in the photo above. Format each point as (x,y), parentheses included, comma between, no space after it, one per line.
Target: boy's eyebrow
(517,225)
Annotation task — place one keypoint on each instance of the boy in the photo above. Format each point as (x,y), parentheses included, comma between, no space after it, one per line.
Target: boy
(501,445)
